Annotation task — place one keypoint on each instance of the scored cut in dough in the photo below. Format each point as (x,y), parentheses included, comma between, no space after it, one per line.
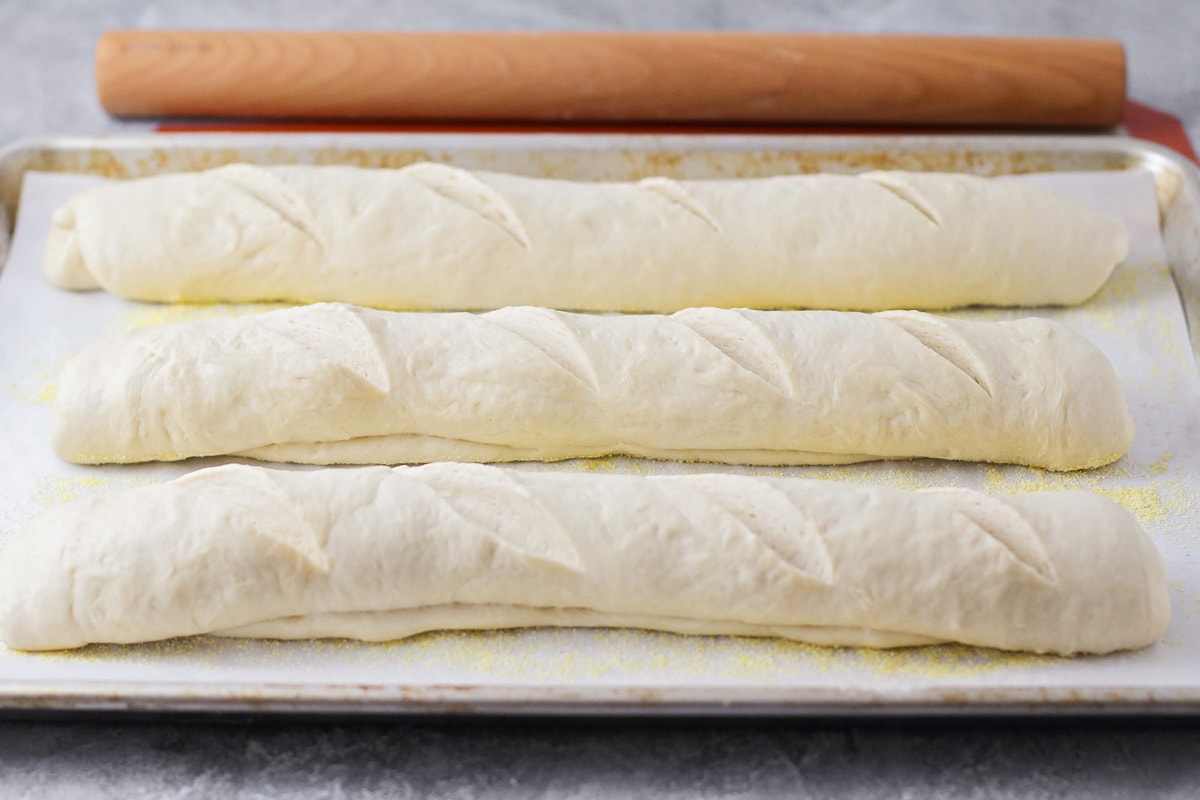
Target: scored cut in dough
(377,553)
(432,236)
(331,383)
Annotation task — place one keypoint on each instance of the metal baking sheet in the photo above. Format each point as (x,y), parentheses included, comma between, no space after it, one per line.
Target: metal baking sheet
(567,671)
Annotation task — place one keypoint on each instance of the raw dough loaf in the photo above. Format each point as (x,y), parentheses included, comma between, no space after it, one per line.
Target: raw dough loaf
(431,236)
(332,383)
(377,553)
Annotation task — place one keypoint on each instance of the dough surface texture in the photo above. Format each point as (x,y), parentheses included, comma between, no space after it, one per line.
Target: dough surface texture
(435,237)
(381,553)
(336,384)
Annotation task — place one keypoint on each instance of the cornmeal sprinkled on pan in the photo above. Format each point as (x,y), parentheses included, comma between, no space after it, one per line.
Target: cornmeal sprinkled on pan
(949,661)
(40,387)
(42,396)
(57,491)
(1155,505)
(152,315)
(551,656)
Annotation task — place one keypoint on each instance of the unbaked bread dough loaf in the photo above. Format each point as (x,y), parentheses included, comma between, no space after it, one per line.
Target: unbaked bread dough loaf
(331,383)
(431,236)
(379,553)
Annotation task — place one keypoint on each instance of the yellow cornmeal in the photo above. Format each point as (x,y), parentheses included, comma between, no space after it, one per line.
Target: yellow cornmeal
(54,491)
(620,465)
(197,650)
(1144,503)
(152,315)
(949,661)
(900,475)
(1157,467)
(1127,284)
(552,657)
(1122,306)
(39,388)
(42,396)
(57,491)
(1153,506)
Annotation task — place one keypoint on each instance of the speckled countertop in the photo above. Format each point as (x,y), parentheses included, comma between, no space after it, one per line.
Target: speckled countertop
(45,57)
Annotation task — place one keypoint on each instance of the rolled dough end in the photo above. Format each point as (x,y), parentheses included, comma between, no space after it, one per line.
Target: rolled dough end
(63,260)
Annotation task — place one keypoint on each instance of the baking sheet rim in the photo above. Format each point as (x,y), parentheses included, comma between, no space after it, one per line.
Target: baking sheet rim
(27,696)
(593,700)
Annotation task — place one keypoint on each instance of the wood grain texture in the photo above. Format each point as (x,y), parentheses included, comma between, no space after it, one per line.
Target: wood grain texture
(740,77)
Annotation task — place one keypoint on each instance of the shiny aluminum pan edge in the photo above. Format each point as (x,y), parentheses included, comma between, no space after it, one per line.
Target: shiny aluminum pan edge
(619,157)
(336,698)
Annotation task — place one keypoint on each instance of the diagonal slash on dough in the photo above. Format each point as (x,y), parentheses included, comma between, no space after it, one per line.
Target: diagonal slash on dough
(742,341)
(1003,524)
(674,191)
(790,536)
(534,531)
(543,328)
(905,194)
(940,339)
(271,192)
(466,189)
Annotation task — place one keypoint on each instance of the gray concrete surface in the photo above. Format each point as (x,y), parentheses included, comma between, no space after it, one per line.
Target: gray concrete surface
(45,60)
(599,759)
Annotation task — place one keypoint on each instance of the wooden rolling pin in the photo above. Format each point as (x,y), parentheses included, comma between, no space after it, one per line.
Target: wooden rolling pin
(611,77)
